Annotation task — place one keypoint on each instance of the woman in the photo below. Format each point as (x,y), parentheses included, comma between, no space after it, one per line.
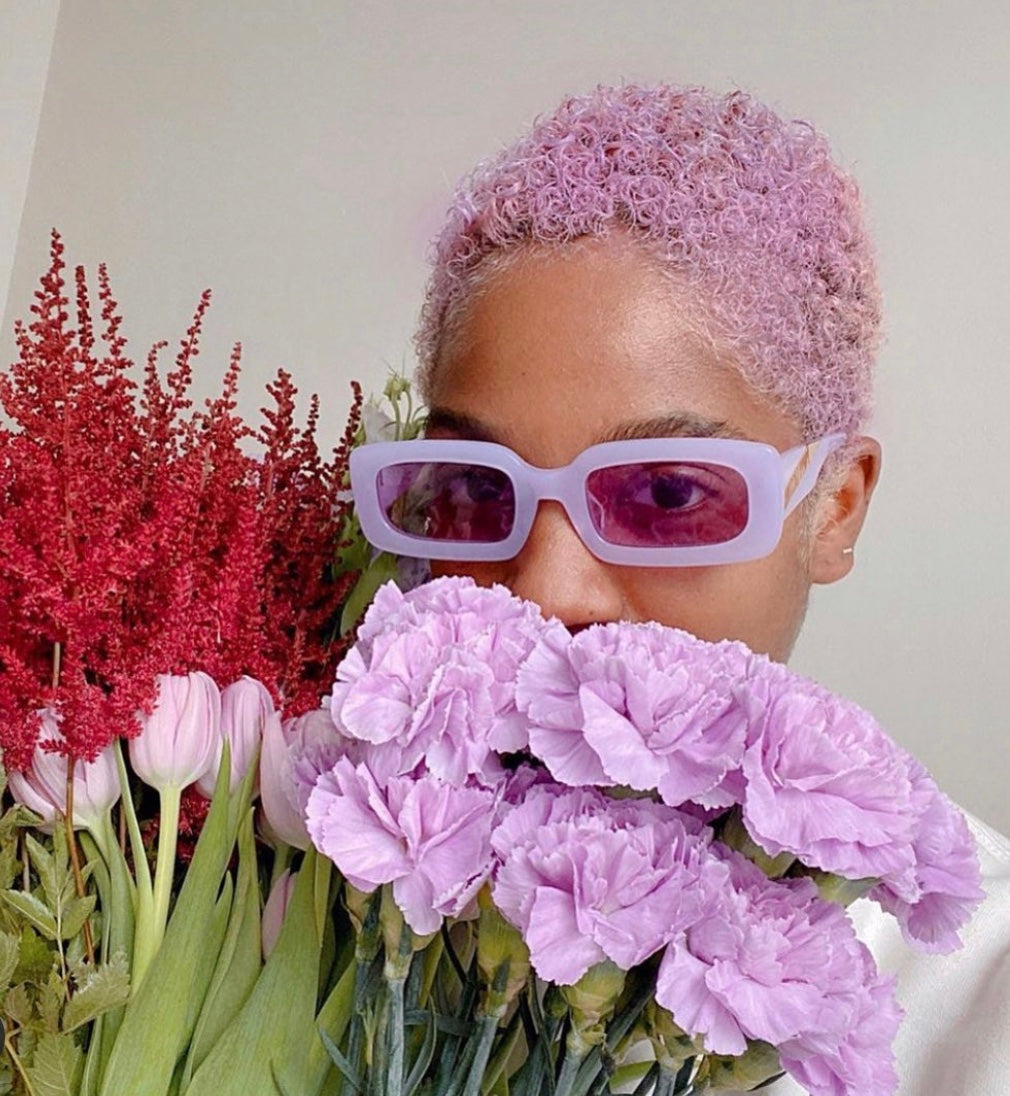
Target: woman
(668,299)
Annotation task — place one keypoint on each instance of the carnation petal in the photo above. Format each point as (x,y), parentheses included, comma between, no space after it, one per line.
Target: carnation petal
(558,952)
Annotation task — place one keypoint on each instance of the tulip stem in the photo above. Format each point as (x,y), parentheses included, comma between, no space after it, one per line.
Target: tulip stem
(164,871)
(143,949)
(75,858)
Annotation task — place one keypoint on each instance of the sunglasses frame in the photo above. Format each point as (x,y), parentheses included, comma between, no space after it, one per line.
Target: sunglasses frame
(766,472)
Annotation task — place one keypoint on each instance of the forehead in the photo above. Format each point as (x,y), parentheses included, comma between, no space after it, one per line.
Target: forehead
(569,346)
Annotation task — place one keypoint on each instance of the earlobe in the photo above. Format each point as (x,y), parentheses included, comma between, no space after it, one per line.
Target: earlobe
(840,515)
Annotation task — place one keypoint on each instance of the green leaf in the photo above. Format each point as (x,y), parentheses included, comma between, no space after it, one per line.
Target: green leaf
(36,958)
(239,964)
(9,863)
(10,945)
(50,999)
(155,1029)
(74,914)
(56,1066)
(333,1019)
(275,1029)
(33,910)
(103,988)
(379,571)
(44,864)
(117,894)
(18,1005)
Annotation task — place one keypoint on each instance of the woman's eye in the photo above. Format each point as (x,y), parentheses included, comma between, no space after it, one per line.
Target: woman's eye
(484,485)
(675,491)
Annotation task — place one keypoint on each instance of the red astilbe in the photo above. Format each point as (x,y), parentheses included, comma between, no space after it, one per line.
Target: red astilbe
(138,537)
(304,506)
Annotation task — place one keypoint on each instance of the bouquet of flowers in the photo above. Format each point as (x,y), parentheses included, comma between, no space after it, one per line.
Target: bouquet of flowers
(568,852)
(488,856)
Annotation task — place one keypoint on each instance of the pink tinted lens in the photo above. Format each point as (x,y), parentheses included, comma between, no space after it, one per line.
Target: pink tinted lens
(439,500)
(658,504)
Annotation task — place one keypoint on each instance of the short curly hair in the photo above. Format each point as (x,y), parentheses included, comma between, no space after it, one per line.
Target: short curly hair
(748,208)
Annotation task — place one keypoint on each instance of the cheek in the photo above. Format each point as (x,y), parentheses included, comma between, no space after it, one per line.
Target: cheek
(761,603)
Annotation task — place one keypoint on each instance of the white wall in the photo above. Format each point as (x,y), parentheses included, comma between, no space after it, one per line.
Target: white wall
(26,34)
(296,158)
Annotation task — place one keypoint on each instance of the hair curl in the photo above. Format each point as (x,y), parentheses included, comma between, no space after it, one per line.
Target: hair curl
(749,208)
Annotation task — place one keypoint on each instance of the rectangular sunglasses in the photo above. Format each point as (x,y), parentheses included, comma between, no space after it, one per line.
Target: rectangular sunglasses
(653,502)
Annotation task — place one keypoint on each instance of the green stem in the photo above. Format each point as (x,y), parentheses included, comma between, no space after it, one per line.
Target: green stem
(394,1037)
(487,1027)
(152,903)
(569,1071)
(21,1069)
(164,872)
(140,867)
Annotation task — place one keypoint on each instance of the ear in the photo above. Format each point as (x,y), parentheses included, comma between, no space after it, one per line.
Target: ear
(840,515)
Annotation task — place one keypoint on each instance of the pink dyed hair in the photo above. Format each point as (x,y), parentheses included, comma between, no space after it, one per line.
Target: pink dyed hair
(746,207)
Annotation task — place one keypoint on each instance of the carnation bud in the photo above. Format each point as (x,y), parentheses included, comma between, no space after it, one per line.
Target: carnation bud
(246,708)
(592,1000)
(743,1073)
(670,1043)
(178,740)
(735,835)
(357,903)
(275,908)
(837,889)
(396,936)
(502,956)
(42,787)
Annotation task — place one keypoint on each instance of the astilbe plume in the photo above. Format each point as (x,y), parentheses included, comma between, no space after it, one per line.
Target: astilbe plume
(138,536)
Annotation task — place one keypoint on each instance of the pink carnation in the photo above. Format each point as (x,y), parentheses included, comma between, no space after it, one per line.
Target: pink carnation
(859,1060)
(774,962)
(431,840)
(649,707)
(947,876)
(432,679)
(587,878)
(824,782)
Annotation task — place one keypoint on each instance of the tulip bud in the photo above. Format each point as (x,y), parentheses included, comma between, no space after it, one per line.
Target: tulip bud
(246,707)
(275,908)
(42,787)
(294,753)
(179,739)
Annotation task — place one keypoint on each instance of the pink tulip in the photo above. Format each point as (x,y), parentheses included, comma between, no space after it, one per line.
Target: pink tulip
(246,708)
(275,909)
(179,739)
(42,787)
(294,753)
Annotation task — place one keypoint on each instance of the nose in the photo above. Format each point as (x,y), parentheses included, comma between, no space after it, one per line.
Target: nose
(558,572)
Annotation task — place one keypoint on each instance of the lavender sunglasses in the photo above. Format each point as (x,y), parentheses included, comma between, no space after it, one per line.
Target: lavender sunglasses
(652,502)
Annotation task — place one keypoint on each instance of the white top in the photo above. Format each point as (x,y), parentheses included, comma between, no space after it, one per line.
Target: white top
(955,1038)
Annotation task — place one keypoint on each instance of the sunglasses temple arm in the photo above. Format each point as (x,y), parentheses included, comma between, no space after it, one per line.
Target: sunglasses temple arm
(817,453)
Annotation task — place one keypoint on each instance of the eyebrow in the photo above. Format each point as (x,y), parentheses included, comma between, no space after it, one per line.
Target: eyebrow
(676,424)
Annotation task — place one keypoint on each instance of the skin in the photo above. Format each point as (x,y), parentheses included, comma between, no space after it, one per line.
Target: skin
(568,347)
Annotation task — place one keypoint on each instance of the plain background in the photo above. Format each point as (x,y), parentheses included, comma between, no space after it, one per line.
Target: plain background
(297,158)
